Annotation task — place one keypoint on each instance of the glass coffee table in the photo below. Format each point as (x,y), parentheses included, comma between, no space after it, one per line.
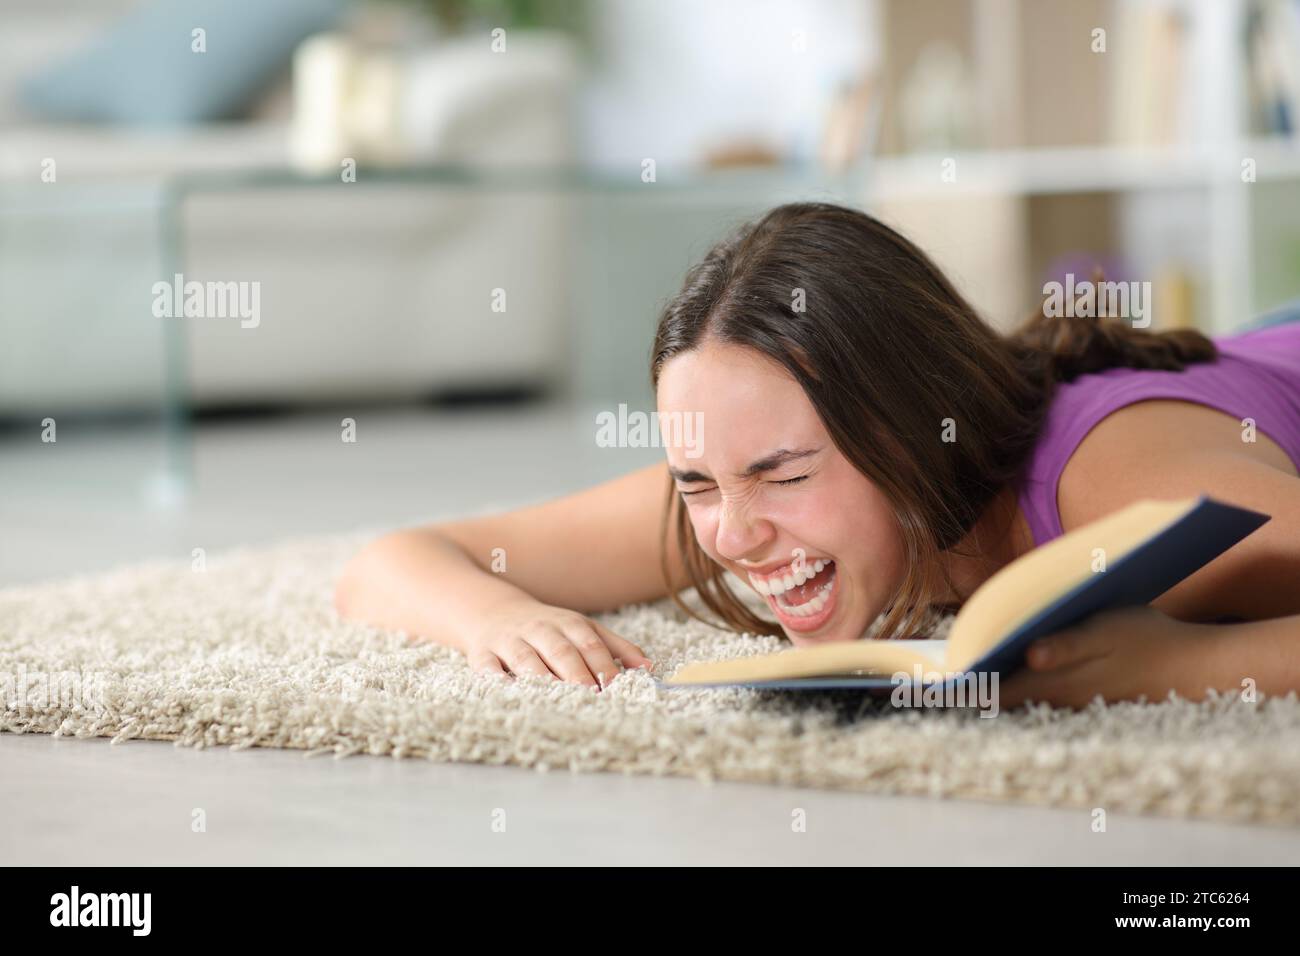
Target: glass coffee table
(627,245)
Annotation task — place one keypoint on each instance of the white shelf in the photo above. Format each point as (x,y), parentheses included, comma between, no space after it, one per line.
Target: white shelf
(1184,202)
(1078,170)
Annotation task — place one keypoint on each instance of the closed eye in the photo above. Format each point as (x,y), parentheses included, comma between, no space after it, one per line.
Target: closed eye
(783,481)
(698,491)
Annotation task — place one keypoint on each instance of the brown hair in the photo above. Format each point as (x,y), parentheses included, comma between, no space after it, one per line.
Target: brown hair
(885,349)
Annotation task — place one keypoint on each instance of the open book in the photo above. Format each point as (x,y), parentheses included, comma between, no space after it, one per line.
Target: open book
(1125,559)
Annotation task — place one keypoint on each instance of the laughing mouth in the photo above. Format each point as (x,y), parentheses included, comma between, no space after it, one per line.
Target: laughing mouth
(799,594)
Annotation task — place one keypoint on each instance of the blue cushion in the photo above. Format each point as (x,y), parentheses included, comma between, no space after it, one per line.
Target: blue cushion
(143,71)
(1287,312)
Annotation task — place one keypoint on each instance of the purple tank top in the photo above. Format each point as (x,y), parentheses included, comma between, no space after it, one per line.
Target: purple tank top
(1257,375)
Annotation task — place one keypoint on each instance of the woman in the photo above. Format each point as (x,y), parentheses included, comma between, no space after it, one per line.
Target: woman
(870,447)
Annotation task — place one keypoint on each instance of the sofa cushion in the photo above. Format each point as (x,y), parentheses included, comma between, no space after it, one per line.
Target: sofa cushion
(144,70)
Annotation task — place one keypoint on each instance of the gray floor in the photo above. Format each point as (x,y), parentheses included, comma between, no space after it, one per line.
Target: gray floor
(87,802)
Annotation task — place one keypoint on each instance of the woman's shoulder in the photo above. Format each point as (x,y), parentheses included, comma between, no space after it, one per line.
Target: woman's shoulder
(1148,443)
(1130,418)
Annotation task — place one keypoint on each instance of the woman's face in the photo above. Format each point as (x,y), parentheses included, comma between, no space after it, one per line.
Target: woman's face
(772,499)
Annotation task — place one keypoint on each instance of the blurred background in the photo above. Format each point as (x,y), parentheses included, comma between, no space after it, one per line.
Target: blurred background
(447,226)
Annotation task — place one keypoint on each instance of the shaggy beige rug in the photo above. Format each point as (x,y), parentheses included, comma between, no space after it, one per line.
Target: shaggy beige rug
(250,653)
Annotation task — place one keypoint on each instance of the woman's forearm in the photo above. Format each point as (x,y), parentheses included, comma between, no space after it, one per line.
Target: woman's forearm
(422,583)
(1266,653)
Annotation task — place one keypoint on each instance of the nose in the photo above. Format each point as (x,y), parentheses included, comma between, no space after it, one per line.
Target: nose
(741,533)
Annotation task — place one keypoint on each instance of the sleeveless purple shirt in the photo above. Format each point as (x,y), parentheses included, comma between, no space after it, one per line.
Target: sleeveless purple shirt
(1257,375)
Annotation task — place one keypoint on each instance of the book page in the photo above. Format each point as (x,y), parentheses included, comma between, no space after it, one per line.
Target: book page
(1035,580)
(936,652)
(883,658)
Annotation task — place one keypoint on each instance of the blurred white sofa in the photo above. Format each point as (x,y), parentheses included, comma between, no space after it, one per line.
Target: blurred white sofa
(366,291)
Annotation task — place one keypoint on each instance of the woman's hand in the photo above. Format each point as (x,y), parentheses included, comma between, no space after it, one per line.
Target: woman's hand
(528,637)
(1121,655)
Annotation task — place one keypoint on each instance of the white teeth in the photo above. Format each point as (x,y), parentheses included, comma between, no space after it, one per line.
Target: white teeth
(811,607)
(808,609)
(778,585)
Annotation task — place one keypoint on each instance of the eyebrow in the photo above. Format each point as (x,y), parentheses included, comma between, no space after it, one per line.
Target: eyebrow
(781,456)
